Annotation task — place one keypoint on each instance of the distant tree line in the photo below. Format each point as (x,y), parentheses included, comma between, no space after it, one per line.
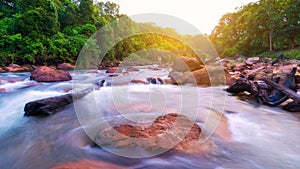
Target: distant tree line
(46,32)
(266,25)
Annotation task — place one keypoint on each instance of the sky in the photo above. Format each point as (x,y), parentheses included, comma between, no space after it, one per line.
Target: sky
(202,14)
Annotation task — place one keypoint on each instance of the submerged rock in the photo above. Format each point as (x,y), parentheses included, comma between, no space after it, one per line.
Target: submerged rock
(47,74)
(171,131)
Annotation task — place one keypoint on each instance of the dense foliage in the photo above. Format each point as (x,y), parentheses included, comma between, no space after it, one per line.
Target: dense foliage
(266,25)
(48,32)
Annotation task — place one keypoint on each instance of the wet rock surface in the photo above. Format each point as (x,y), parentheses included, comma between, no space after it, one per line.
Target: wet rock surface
(171,131)
(87,164)
(65,66)
(52,105)
(48,74)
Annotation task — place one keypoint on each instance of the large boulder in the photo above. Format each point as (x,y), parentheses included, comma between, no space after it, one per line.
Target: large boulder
(199,77)
(65,66)
(171,131)
(210,75)
(183,64)
(47,74)
(47,106)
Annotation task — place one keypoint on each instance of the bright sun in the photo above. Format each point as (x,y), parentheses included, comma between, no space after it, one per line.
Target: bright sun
(204,15)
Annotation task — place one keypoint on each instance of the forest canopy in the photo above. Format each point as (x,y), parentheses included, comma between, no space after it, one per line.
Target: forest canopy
(266,25)
(46,32)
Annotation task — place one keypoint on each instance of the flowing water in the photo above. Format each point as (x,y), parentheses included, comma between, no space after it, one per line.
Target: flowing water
(261,137)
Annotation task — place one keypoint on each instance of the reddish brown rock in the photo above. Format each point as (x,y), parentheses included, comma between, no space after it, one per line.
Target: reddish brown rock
(138,81)
(14,65)
(87,164)
(65,66)
(15,68)
(252,60)
(132,69)
(114,70)
(199,77)
(239,67)
(2,90)
(47,74)
(171,131)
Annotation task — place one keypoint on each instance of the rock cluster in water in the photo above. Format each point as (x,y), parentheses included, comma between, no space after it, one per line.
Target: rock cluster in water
(192,70)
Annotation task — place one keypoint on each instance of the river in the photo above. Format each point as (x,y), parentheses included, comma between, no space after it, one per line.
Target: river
(261,137)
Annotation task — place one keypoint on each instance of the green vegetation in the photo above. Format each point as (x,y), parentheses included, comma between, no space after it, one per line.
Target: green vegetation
(48,32)
(267,25)
(289,54)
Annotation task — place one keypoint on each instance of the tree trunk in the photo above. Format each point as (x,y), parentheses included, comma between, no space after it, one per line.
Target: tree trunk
(271,40)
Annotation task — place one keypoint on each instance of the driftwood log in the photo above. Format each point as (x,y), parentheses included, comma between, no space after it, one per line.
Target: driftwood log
(290,93)
(269,92)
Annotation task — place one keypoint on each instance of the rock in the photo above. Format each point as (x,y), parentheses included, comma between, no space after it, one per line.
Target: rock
(183,64)
(5,69)
(87,164)
(176,78)
(152,80)
(292,107)
(238,58)
(155,68)
(47,74)
(132,69)
(239,67)
(202,78)
(252,60)
(114,70)
(2,90)
(65,66)
(14,66)
(47,106)
(217,77)
(294,61)
(171,131)
(285,68)
(239,86)
(138,81)
(199,77)
(51,105)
